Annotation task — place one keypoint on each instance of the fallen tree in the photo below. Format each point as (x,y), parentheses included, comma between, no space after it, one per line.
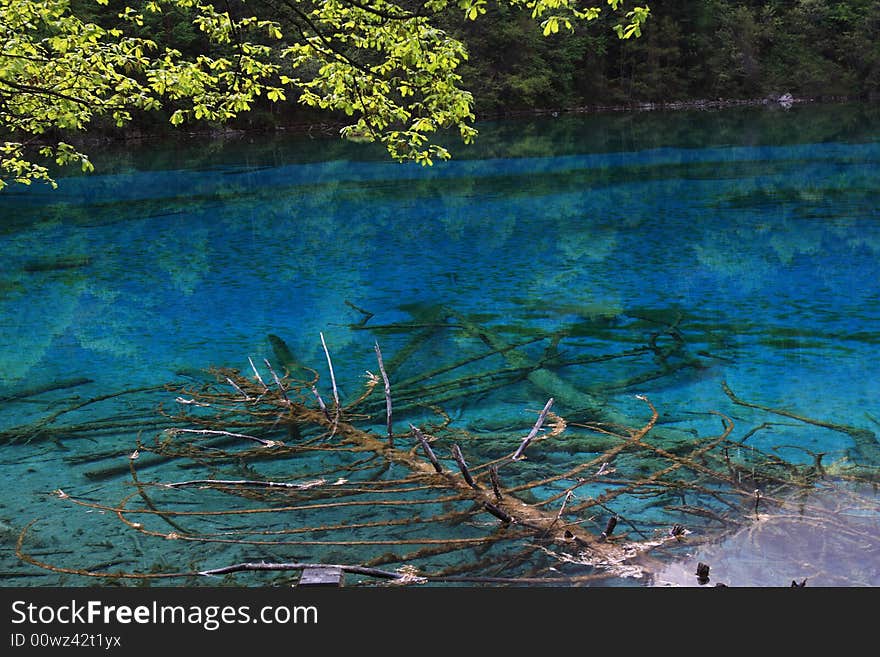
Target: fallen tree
(386,487)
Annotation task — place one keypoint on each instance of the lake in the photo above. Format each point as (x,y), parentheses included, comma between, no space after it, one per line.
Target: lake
(722,262)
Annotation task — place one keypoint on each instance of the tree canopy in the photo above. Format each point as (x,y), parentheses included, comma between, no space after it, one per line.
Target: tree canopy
(386,64)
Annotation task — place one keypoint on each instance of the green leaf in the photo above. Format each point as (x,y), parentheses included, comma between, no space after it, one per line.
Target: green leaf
(382,65)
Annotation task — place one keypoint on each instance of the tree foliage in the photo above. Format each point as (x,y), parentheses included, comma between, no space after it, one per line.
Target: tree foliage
(704,50)
(386,64)
(745,49)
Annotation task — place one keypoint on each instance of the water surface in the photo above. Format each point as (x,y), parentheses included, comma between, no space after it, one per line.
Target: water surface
(748,240)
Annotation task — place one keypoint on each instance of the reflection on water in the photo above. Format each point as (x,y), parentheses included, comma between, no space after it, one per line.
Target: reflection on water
(827,537)
(737,246)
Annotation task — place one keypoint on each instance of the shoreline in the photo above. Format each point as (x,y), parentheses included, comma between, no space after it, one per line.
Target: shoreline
(330,127)
(783,101)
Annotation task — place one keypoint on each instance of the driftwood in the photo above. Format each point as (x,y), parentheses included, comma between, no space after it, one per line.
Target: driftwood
(277,467)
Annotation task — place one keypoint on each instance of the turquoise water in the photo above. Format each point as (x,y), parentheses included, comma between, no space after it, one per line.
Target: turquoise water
(750,237)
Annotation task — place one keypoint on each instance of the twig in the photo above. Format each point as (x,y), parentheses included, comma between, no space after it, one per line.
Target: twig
(213,432)
(245,482)
(496,483)
(148,501)
(534,432)
(425,446)
(366,313)
(321,403)
(338,408)
(751,432)
(239,390)
(456,454)
(332,375)
(565,500)
(262,565)
(387,395)
(257,374)
(277,381)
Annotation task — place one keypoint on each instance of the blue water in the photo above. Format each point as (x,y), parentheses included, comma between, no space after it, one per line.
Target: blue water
(756,248)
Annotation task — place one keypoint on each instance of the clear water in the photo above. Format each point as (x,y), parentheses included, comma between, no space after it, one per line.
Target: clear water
(755,232)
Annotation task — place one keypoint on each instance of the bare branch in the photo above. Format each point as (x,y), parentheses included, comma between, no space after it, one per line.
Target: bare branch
(387,396)
(456,454)
(534,432)
(427,448)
